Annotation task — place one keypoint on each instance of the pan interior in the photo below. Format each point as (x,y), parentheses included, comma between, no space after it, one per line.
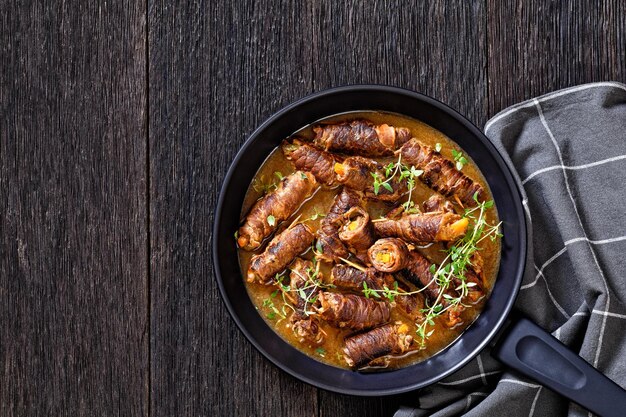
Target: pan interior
(385,99)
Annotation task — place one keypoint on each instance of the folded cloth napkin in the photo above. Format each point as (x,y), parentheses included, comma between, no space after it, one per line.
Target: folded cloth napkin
(569,150)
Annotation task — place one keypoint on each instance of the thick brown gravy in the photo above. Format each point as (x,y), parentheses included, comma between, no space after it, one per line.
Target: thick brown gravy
(331,350)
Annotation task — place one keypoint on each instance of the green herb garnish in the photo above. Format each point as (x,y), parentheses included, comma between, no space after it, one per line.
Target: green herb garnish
(315,216)
(319,249)
(454,266)
(308,291)
(459,159)
(404,173)
(260,185)
(410,174)
(273,311)
(377,182)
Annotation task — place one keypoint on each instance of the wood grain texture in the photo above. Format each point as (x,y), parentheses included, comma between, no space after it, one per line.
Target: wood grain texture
(73,250)
(436,48)
(539,46)
(217,70)
(118,121)
(199,115)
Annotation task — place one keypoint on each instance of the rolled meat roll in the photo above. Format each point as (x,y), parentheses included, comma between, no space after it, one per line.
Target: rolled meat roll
(305,327)
(297,284)
(348,278)
(475,290)
(395,213)
(477,263)
(352,311)
(440,173)
(358,173)
(356,232)
(424,228)
(361,349)
(418,273)
(411,305)
(275,207)
(328,242)
(437,203)
(311,159)
(360,137)
(389,255)
(280,252)
(308,330)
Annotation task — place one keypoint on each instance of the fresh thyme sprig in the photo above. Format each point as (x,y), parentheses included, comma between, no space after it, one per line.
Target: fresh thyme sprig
(260,185)
(273,310)
(390,171)
(456,263)
(386,292)
(307,292)
(321,351)
(378,182)
(410,174)
(454,266)
(404,173)
(318,249)
(315,216)
(459,159)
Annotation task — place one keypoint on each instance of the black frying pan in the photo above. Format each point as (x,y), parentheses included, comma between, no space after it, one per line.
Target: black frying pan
(519,343)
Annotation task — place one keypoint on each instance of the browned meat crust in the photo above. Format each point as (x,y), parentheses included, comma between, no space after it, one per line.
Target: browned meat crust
(360,137)
(477,262)
(308,158)
(418,272)
(389,254)
(424,228)
(356,232)
(357,172)
(280,252)
(362,348)
(395,213)
(328,241)
(474,292)
(308,330)
(440,173)
(305,327)
(438,203)
(411,305)
(345,277)
(298,281)
(352,311)
(281,203)
(348,278)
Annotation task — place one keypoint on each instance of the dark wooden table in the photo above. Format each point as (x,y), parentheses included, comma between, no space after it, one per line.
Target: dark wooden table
(118,121)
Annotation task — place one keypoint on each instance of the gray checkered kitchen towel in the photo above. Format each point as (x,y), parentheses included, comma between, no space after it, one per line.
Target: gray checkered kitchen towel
(569,149)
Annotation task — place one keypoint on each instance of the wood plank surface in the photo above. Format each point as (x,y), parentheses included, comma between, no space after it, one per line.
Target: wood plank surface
(118,121)
(73,249)
(216,70)
(539,46)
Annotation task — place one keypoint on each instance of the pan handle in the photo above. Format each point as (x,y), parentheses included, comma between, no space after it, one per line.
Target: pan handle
(532,351)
